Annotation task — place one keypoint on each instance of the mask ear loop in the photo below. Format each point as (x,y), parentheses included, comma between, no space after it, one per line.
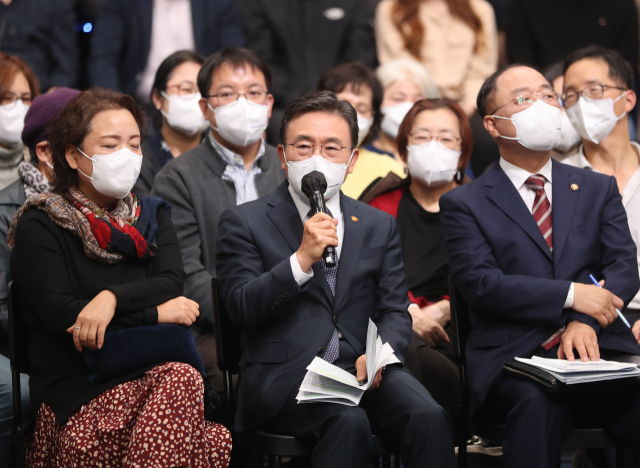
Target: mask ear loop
(90,159)
(514,124)
(616,100)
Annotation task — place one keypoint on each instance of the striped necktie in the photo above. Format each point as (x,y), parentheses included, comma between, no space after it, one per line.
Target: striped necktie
(541,207)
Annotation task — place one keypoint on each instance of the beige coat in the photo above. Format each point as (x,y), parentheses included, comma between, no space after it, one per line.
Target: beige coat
(447,50)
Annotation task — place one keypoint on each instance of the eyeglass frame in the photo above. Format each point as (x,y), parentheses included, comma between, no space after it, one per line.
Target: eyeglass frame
(266,94)
(284,145)
(17,98)
(458,140)
(604,87)
(537,93)
(178,85)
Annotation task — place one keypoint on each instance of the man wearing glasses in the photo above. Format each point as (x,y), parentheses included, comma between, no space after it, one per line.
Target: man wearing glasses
(598,97)
(293,307)
(522,241)
(233,165)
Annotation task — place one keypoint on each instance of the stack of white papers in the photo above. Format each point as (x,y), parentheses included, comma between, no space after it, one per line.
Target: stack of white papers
(326,383)
(574,372)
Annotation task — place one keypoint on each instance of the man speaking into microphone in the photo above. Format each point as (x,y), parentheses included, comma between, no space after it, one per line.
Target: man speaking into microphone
(292,305)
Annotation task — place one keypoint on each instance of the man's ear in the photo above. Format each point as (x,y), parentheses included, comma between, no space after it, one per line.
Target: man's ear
(490,125)
(354,160)
(631,98)
(283,163)
(270,104)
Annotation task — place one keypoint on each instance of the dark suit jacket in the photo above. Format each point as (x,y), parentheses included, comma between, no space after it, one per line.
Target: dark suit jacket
(302,39)
(122,35)
(515,287)
(193,185)
(42,33)
(283,325)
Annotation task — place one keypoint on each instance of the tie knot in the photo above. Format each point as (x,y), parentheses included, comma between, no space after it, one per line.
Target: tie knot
(536,182)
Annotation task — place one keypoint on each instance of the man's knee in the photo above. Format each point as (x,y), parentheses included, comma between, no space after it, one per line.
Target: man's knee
(350,420)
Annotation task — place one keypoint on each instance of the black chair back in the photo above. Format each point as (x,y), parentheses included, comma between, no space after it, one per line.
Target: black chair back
(228,344)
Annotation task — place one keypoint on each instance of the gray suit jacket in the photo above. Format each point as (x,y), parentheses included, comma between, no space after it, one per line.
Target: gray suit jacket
(193,185)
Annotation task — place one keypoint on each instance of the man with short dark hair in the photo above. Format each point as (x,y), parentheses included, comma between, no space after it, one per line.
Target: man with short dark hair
(522,241)
(233,165)
(598,96)
(292,307)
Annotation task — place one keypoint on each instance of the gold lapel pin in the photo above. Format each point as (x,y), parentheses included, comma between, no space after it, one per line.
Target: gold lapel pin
(354,219)
(574,186)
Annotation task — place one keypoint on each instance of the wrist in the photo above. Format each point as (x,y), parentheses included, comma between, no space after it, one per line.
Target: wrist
(304,261)
(110,296)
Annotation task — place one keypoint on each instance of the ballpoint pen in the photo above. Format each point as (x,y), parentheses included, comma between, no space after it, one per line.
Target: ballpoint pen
(595,281)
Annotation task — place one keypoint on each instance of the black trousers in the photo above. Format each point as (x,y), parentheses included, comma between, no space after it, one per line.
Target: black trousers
(401,411)
(537,421)
(434,368)
(206,346)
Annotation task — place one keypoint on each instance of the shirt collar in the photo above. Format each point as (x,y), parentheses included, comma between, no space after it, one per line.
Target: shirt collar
(232,158)
(303,206)
(519,176)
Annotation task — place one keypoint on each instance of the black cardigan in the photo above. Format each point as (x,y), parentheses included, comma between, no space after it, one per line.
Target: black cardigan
(56,280)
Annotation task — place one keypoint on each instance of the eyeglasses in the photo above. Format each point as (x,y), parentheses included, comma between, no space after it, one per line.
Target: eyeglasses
(303,149)
(258,96)
(592,92)
(527,99)
(185,90)
(10,99)
(423,137)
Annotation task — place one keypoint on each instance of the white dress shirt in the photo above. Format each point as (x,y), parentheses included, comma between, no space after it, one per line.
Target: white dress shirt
(171,30)
(518,177)
(303,206)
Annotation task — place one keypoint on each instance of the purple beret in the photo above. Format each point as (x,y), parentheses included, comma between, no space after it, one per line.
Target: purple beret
(42,111)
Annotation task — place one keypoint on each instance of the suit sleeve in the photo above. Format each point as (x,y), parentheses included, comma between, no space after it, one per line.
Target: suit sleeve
(261,38)
(360,42)
(252,295)
(229,26)
(170,186)
(107,46)
(392,299)
(63,47)
(484,286)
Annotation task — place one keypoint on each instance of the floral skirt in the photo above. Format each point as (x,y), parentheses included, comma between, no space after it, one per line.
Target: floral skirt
(154,421)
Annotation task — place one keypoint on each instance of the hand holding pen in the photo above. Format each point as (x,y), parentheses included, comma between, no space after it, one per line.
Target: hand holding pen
(595,281)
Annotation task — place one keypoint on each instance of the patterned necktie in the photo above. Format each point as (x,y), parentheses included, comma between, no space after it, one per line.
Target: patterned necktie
(332,350)
(541,207)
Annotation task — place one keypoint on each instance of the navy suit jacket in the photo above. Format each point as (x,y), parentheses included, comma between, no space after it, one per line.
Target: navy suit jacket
(514,286)
(122,38)
(283,324)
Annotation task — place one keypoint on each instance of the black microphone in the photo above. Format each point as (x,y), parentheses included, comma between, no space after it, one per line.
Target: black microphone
(313,186)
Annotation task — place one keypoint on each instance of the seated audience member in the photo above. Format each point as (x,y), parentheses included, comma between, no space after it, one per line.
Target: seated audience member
(357,84)
(522,241)
(233,165)
(456,41)
(34,179)
(598,96)
(178,120)
(569,137)
(327,32)
(42,33)
(18,87)
(405,82)
(540,40)
(75,283)
(436,143)
(291,307)
(131,39)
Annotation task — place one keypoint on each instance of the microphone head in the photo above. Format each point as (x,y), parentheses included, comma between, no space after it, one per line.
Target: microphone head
(314,181)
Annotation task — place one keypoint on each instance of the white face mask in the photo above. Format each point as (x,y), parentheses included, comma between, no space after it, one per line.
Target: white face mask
(392,117)
(432,163)
(537,127)
(12,123)
(184,115)
(241,123)
(114,174)
(333,172)
(364,125)
(569,137)
(594,119)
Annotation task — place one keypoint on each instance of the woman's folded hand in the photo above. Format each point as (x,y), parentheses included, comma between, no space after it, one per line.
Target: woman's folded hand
(92,321)
(181,311)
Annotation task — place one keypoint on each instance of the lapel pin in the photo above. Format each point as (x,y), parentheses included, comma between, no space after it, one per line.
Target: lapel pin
(574,186)
(354,219)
